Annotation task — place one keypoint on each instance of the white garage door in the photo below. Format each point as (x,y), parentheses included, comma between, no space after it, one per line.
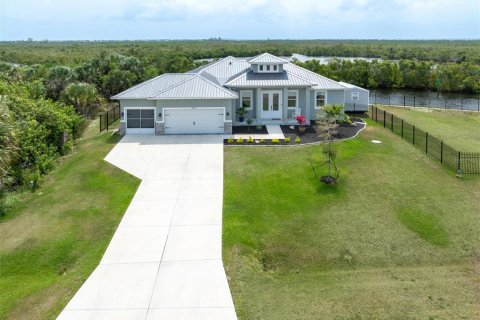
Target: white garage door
(140,121)
(194,121)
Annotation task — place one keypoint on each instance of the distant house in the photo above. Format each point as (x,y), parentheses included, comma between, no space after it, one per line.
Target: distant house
(209,99)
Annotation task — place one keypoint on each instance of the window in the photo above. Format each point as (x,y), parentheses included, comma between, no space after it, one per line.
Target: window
(292,99)
(246,98)
(321,98)
(261,67)
(268,67)
(355,96)
(275,67)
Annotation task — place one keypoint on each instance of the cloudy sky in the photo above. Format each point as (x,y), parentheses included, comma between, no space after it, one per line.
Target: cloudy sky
(238,19)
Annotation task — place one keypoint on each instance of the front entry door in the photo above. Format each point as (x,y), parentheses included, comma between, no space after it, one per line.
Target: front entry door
(272,105)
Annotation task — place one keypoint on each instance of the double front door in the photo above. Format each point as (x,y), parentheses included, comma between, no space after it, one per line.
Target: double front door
(272,104)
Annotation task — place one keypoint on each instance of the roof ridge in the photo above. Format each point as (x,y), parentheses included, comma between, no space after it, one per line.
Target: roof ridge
(314,73)
(238,76)
(266,54)
(138,85)
(194,76)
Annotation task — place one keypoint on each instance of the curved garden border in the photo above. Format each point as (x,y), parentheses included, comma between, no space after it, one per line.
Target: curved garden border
(246,144)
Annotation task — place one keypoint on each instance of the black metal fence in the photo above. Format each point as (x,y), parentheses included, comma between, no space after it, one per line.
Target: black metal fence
(467,163)
(466,104)
(108,117)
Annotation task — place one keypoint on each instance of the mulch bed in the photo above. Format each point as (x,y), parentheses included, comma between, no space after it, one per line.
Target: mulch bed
(310,135)
(249,129)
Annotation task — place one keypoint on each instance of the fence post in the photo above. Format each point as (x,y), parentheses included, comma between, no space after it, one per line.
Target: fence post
(402,128)
(478,105)
(414,101)
(100,123)
(384,118)
(376,98)
(354,107)
(107,120)
(445,103)
(426,142)
(441,151)
(391,125)
(376,114)
(461,104)
(459,157)
(389,99)
(372,111)
(413,135)
(404,101)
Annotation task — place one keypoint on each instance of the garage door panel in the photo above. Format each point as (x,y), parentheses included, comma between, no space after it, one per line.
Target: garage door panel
(194,121)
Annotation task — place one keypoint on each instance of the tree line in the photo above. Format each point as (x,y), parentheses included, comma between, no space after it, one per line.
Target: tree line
(407,74)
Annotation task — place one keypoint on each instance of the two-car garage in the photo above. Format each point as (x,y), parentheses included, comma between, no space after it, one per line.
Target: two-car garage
(193,120)
(176,120)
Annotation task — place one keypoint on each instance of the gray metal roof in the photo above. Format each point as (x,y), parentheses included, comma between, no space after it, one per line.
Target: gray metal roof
(195,87)
(259,80)
(267,58)
(320,81)
(151,87)
(222,70)
(352,86)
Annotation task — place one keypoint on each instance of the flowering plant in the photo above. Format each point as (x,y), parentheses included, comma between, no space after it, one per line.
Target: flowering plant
(301,120)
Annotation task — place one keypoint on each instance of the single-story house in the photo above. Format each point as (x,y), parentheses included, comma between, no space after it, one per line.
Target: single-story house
(356,98)
(211,98)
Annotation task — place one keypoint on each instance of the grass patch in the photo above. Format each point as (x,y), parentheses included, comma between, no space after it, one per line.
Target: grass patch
(458,129)
(427,226)
(297,249)
(53,238)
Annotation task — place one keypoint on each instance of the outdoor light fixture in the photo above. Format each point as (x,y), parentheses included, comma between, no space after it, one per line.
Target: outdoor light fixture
(122,115)
(160,115)
(228,114)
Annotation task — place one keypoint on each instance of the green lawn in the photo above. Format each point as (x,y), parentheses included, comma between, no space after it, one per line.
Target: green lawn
(398,238)
(52,239)
(459,129)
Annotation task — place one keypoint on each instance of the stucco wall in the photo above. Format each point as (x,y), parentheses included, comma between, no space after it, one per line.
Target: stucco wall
(362,102)
(333,97)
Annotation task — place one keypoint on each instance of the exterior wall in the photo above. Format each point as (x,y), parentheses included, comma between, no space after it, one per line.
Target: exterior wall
(333,97)
(250,114)
(137,103)
(361,104)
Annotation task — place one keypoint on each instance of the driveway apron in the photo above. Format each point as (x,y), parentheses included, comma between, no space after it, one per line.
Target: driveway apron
(164,261)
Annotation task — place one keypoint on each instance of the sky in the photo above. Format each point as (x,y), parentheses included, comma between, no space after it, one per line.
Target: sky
(238,19)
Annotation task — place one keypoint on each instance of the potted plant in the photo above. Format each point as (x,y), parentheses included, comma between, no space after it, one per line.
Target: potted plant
(302,121)
(241,112)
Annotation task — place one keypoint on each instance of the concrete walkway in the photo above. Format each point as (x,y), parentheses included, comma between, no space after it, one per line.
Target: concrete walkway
(274,131)
(164,261)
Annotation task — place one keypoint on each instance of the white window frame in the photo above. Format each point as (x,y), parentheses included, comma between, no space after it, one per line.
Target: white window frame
(316,102)
(296,99)
(272,68)
(246,93)
(260,68)
(355,95)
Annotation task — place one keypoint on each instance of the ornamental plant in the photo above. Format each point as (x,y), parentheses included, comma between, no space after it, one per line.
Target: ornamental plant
(250,139)
(275,140)
(230,140)
(298,140)
(287,140)
(301,120)
(240,140)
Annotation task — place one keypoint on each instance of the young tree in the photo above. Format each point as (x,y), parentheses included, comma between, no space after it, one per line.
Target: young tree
(327,128)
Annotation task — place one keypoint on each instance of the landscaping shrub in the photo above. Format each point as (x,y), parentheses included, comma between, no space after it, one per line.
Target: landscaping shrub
(230,140)
(298,140)
(250,140)
(287,140)
(240,140)
(275,140)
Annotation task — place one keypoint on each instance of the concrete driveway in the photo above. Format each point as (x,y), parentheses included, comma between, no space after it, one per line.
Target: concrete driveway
(164,261)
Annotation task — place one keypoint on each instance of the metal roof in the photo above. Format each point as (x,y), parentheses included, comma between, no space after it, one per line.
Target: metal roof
(351,86)
(151,87)
(283,79)
(267,58)
(321,82)
(195,87)
(222,70)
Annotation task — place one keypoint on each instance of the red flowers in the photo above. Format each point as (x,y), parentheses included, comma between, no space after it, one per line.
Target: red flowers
(301,120)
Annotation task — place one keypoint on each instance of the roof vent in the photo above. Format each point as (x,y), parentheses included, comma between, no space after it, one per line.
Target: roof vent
(230,63)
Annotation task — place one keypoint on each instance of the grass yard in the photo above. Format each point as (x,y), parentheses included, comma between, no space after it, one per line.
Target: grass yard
(398,238)
(52,239)
(459,129)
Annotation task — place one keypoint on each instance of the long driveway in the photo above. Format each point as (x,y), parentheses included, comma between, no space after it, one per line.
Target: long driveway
(164,261)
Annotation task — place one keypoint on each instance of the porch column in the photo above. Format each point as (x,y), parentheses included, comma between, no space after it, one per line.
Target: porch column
(259,105)
(307,102)
(285,104)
